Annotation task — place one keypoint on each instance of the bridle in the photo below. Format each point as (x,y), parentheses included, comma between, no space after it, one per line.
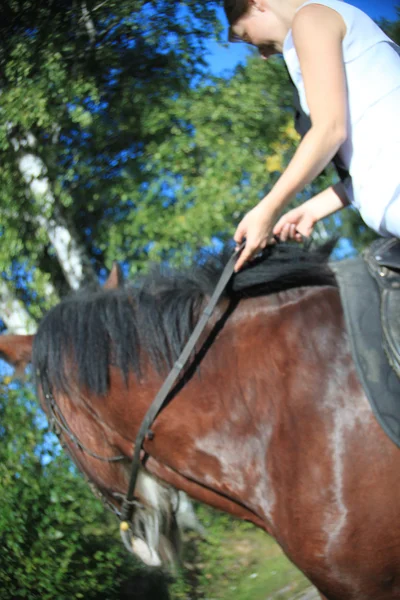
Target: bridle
(58,423)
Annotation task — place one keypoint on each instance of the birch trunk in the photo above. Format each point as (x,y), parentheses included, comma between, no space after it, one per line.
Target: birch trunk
(70,253)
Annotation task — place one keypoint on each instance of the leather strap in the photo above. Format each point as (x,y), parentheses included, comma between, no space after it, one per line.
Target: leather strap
(158,402)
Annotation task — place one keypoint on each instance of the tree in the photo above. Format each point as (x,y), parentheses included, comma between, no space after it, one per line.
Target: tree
(76,98)
(71,117)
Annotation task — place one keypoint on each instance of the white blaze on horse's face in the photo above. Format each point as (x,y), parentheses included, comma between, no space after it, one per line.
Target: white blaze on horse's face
(145,553)
(155,539)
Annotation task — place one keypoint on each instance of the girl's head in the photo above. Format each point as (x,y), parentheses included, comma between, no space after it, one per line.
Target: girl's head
(263,23)
(234,10)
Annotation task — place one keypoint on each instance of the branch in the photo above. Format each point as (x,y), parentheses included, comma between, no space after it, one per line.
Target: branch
(99,5)
(90,28)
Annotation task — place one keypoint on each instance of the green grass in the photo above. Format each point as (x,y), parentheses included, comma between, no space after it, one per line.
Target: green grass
(237,561)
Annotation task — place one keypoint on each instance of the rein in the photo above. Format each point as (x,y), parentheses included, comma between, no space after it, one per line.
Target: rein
(129,502)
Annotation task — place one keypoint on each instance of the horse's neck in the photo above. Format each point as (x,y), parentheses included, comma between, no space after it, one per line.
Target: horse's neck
(264,374)
(265,392)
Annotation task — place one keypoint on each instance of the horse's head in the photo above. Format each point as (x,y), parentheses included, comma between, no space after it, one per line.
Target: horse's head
(101,446)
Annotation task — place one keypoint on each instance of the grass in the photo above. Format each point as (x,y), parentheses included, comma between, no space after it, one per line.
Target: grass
(237,561)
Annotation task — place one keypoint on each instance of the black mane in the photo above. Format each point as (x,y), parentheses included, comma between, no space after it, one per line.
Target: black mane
(156,315)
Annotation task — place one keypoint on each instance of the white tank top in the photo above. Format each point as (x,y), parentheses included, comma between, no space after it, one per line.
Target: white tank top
(372,66)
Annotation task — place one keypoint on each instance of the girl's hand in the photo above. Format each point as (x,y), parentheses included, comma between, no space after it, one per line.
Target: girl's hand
(301,220)
(256,228)
(296,223)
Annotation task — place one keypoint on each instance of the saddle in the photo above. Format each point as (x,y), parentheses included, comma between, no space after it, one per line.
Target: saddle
(370,294)
(383,261)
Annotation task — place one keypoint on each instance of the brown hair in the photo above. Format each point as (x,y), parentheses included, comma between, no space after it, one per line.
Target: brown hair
(234,10)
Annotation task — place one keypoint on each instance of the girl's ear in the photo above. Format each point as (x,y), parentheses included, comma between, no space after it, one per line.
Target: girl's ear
(260,5)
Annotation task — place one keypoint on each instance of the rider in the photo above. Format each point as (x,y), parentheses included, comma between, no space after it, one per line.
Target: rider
(347,74)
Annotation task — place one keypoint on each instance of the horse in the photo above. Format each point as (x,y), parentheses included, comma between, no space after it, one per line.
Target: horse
(269,421)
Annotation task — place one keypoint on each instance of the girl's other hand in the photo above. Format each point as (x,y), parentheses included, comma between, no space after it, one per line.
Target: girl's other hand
(295,224)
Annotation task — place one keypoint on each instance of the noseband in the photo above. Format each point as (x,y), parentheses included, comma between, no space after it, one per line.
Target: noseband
(59,424)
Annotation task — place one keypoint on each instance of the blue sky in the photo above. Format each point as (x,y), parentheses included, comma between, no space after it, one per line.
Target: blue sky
(222,58)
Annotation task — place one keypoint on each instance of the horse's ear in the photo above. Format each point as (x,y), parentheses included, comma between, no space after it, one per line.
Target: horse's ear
(16,350)
(115,278)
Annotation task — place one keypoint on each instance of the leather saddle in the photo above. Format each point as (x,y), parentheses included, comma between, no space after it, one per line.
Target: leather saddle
(370,294)
(383,262)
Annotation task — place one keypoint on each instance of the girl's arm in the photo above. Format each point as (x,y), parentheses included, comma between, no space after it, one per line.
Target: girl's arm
(318,32)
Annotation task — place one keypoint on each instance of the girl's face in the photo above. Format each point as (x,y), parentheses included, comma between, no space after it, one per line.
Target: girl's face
(261,26)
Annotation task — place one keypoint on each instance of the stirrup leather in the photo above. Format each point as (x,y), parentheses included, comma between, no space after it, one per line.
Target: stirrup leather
(383,260)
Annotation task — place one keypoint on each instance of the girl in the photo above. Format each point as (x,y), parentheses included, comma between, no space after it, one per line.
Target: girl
(347,73)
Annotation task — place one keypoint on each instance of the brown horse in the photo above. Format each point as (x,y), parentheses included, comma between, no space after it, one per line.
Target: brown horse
(269,422)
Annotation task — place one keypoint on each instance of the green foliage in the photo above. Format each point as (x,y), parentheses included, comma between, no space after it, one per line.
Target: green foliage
(56,539)
(81,83)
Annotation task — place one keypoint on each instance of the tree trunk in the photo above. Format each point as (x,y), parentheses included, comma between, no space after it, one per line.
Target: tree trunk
(70,252)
